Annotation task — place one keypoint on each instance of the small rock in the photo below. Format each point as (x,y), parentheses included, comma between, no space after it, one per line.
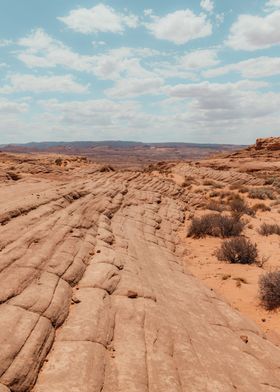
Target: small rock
(75,300)
(244,338)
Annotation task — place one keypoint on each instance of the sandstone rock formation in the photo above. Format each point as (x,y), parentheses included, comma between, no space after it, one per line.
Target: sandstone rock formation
(271,143)
(94,296)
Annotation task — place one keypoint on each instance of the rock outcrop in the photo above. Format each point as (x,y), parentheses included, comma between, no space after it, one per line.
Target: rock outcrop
(94,297)
(270,144)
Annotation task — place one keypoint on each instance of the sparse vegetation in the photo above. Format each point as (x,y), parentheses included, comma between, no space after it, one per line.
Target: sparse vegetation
(269,288)
(269,229)
(13,176)
(261,193)
(243,189)
(261,206)
(106,169)
(58,161)
(215,225)
(238,250)
(239,207)
(215,206)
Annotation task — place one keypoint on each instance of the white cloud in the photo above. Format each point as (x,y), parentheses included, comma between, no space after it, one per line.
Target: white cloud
(251,32)
(135,87)
(180,27)
(258,67)
(5,42)
(271,4)
(200,58)
(42,51)
(39,84)
(100,18)
(222,110)
(207,5)
(12,107)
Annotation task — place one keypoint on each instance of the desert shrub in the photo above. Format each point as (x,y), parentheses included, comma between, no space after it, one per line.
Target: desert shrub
(215,225)
(239,207)
(225,194)
(13,176)
(215,206)
(106,169)
(267,229)
(243,189)
(261,206)
(214,194)
(269,181)
(238,250)
(261,193)
(236,186)
(58,161)
(269,290)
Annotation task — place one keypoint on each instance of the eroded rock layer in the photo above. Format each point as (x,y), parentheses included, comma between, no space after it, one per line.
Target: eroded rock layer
(94,296)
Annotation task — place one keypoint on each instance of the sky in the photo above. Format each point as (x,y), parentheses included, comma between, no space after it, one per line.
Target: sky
(184,70)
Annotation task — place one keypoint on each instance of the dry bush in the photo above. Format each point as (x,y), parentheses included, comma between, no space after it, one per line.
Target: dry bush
(236,186)
(267,229)
(261,193)
(215,206)
(261,206)
(214,194)
(239,207)
(225,194)
(269,290)
(269,181)
(106,169)
(238,250)
(243,189)
(58,161)
(13,176)
(216,226)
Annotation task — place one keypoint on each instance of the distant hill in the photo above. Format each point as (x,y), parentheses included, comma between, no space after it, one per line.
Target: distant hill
(125,153)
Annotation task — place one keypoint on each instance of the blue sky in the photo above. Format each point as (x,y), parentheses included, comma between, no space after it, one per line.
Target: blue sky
(191,71)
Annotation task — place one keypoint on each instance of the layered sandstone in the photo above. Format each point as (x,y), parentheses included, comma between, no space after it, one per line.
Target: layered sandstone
(271,143)
(94,296)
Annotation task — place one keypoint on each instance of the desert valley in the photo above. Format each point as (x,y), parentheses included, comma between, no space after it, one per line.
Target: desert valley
(144,278)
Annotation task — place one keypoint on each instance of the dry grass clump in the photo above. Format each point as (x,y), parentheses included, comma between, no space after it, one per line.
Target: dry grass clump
(214,205)
(239,207)
(236,186)
(214,194)
(238,250)
(267,229)
(261,193)
(261,206)
(13,176)
(58,161)
(106,169)
(243,189)
(274,181)
(216,226)
(269,290)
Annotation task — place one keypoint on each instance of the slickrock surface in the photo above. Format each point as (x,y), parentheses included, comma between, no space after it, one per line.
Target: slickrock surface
(94,296)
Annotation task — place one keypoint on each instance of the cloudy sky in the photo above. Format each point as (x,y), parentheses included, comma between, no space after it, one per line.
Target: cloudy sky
(149,70)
